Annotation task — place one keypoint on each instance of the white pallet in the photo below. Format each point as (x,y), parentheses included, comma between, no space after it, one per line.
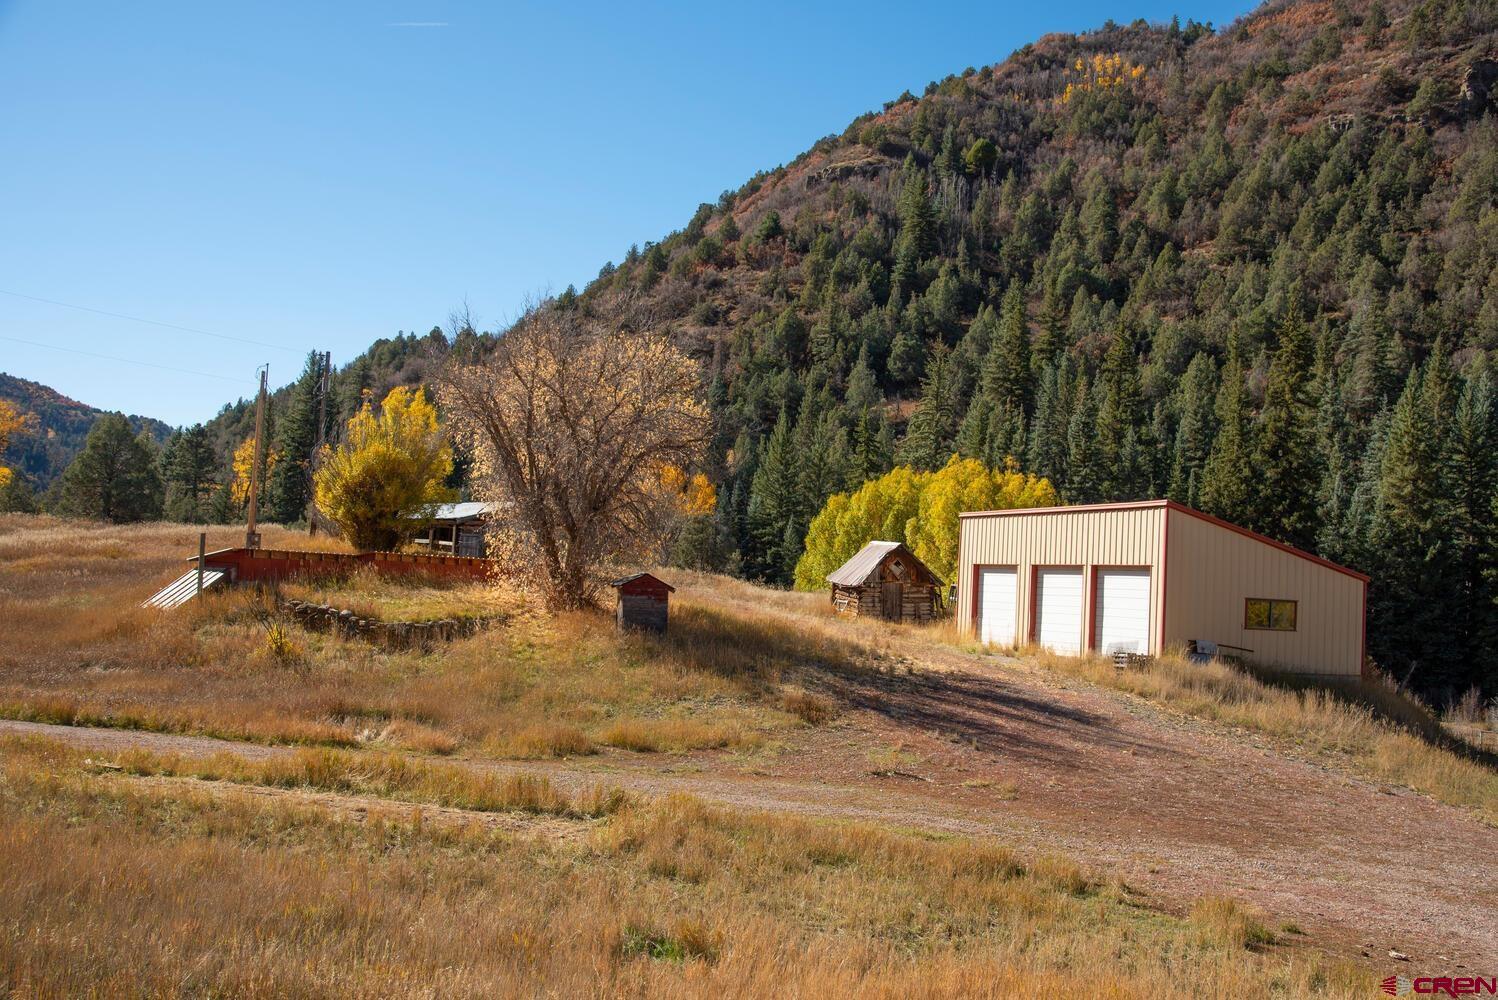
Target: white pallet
(183,589)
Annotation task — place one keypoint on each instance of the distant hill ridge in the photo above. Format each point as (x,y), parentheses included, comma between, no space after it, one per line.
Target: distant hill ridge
(59,426)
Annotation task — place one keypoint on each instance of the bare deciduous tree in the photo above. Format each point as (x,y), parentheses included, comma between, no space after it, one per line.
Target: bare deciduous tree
(578,430)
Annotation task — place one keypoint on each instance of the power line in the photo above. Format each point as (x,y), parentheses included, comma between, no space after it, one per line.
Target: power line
(123,361)
(150,322)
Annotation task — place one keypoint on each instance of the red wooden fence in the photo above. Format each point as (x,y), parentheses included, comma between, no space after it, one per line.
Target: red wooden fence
(250,565)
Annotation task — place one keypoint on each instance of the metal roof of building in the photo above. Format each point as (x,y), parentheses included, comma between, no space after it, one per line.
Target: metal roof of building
(462,511)
(856,571)
(1168,505)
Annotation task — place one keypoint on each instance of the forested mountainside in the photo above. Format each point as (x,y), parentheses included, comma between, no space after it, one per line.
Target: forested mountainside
(1253,270)
(55,429)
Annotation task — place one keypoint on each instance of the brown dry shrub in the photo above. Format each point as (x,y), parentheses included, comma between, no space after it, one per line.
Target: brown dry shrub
(1227,923)
(810,708)
(674,735)
(419,737)
(541,740)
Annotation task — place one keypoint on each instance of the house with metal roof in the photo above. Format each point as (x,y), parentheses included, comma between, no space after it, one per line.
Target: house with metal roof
(457,528)
(886,580)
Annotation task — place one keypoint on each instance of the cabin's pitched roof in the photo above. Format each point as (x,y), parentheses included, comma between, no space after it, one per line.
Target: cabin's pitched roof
(856,571)
(627,580)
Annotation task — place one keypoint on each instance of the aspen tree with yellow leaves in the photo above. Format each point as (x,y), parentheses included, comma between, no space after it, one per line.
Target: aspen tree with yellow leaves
(11,420)
(917,508)
(388,473)
(243,463)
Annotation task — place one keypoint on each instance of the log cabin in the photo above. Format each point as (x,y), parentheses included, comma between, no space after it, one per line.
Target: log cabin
(886,580)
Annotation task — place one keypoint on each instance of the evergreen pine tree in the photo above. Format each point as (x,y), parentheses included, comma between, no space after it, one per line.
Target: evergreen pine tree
(1411,541)
(1228,477)
(871,456)
(155,492)
(907,358)
(1048,448)
(928,438)
(821,445)
(189,465)
(981,333)
(949,160)
(348,388)
(289,486)
(774,500)
(1006,373)
(792,543)
(114,477)
(1285,461)
(1006,436)
(735,514)
(917,237)
(1121,432)
(1196,426)
(972,435)
(1348,538)
(1473,475)
(1084,474)
(863,391)
(884,446)
(221,506)
(17,497)
(1099,223)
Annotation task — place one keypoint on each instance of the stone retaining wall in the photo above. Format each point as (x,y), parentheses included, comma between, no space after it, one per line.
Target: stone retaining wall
(393,635)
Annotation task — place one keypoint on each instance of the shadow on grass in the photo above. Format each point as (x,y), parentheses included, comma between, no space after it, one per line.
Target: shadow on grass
(981,711)
(1386,702)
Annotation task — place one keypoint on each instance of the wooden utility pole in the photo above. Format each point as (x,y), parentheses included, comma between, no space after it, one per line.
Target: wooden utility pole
(325,386)
(324,383)
(202,555)
(251,536)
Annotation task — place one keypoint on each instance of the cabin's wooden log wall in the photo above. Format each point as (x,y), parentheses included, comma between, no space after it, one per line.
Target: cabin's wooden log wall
(917,602)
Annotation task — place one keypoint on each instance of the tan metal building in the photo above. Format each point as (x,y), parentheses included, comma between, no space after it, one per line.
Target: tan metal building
(1154,575)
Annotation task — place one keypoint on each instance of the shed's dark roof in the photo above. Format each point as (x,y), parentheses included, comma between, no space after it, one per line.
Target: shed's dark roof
(623,580)
(856,571)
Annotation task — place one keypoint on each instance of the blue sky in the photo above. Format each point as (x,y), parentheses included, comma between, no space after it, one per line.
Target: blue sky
(319,175)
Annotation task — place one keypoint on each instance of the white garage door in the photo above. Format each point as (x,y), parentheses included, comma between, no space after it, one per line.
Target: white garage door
(996,606)
(1123,610)
(1058,609)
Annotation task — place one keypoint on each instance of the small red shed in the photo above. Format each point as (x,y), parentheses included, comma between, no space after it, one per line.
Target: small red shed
(643,602)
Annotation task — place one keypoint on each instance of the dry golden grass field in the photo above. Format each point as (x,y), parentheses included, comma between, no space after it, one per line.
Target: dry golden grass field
(766,801)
